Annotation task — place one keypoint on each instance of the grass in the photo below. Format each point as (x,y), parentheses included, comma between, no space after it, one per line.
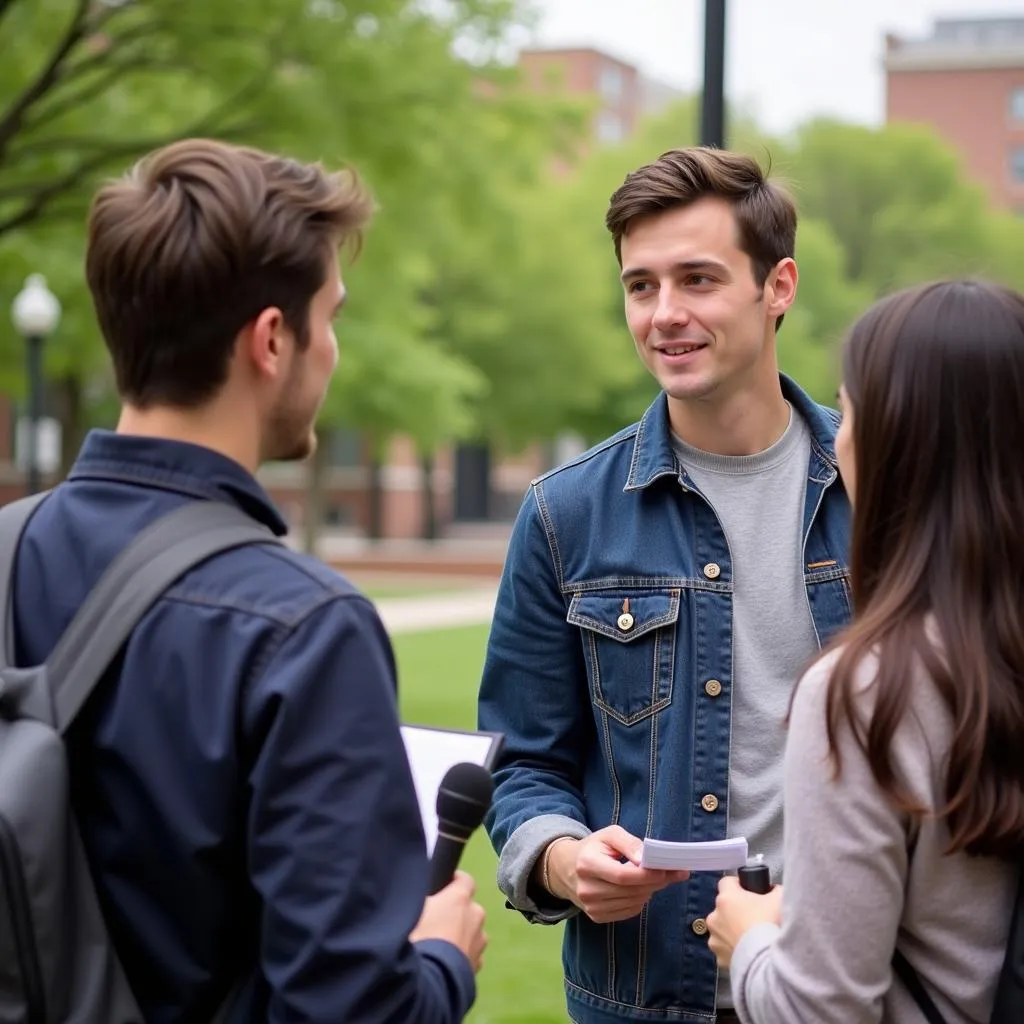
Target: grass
(521,982)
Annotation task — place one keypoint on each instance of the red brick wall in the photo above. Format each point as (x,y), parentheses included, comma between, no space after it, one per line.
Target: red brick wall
(971,110)
(578,73)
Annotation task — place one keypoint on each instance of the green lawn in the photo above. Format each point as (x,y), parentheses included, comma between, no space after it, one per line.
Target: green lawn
(521,982)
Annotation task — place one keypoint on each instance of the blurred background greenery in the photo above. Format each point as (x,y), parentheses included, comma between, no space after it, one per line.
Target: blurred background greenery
(485,307)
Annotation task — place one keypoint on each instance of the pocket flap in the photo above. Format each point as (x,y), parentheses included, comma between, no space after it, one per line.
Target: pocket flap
(603,612)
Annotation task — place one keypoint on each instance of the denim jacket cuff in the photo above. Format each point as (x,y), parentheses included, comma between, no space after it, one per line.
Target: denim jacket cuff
(518,859)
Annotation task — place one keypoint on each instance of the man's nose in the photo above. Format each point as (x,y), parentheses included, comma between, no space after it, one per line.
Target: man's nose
(671,311)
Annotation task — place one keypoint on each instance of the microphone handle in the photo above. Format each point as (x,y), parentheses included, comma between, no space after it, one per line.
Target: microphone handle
(444,860)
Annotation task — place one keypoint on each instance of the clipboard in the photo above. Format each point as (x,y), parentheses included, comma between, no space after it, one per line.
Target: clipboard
(432,751)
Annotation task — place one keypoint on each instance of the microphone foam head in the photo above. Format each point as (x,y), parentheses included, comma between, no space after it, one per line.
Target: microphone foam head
(464,796)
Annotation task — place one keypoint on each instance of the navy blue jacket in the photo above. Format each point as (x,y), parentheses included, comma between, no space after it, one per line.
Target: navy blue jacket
(239,778)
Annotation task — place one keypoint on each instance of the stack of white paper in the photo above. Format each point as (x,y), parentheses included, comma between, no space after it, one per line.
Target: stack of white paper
(717,855)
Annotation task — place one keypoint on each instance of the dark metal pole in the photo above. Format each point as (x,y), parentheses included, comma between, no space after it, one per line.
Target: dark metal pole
(712,116)
(35,410)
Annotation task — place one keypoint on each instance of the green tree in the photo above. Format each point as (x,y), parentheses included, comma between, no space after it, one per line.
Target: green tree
(373,82)
(897,200)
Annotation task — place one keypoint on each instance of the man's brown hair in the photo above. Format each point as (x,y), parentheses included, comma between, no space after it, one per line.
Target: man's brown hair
(765,213)
(193,243)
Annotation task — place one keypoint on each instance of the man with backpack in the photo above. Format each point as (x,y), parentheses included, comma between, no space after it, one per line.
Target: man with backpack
(237,775)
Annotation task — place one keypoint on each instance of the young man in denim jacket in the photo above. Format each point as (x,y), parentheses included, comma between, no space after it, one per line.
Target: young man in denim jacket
(661,596)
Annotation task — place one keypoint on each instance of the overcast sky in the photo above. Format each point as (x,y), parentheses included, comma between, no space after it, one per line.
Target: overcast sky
(785,59)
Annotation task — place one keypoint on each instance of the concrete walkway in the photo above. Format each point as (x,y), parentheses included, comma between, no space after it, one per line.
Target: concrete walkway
(438,611)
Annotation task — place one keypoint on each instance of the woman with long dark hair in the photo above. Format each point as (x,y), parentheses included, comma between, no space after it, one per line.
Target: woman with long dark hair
(904,772)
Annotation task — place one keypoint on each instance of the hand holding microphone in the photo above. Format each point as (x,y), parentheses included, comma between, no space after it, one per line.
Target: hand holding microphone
(450,913)
(747,900)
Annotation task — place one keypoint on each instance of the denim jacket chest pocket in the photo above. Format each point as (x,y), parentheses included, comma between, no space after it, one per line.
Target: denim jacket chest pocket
(629,642)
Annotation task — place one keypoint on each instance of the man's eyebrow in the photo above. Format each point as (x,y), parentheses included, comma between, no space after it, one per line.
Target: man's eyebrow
(682,267)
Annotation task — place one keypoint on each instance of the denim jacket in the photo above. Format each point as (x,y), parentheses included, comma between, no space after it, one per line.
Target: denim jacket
(605,725)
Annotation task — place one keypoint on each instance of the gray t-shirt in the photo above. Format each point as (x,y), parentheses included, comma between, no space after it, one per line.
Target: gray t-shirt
(759,500)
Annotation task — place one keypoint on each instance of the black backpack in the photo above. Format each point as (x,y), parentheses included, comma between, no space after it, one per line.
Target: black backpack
(57,962)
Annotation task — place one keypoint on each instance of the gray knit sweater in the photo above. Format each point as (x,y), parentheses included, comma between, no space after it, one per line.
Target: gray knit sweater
(862,878)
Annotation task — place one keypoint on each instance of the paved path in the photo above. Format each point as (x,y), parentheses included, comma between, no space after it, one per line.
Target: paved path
(437,611)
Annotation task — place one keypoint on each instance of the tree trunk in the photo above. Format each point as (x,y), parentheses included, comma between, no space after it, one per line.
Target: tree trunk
(67,392)
(316,471)
(428,499)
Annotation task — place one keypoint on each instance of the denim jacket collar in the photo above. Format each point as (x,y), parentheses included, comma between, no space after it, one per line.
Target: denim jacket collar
(654,457)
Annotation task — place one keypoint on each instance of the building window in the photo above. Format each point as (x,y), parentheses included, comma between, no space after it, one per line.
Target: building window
(1017,165)
(344,448)
(611,82)
(1017,104)
(610,129)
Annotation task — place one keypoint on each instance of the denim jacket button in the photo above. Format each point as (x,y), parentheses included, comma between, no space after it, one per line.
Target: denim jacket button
(709,802)
(699,926)
(712,570)
(625,622)
(712,687)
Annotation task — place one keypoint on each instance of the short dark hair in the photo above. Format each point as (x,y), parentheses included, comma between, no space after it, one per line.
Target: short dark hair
(193,243)
(765,212)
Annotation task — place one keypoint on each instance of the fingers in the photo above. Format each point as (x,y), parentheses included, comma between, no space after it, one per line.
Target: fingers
(622,842)
(612,871)
(479,948)
(601,857)
(610,911)
(603,903)
(463,883)
(728,884)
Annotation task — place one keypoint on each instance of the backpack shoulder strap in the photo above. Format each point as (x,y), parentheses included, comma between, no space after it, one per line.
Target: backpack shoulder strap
(907,974)
(154,560)
(1009,1005)
(14,518)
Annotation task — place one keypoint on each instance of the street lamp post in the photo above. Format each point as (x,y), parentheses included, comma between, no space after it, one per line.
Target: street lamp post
(35,313)
(712,116)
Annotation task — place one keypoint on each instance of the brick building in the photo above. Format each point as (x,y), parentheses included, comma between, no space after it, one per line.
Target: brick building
(966,80)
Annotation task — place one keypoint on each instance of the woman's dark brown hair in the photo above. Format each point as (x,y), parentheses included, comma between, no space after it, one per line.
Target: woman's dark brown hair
(935,378)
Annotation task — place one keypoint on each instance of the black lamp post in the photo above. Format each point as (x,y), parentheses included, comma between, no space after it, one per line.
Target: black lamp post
(36,313)
(712,114)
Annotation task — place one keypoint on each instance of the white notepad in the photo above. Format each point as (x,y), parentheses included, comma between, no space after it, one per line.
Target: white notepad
(717,855)
(431,752)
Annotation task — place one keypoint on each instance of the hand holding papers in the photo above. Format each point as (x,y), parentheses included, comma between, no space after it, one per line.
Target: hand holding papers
(718,855)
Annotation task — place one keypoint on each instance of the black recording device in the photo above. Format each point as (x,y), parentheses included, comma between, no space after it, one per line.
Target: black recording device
(754,876)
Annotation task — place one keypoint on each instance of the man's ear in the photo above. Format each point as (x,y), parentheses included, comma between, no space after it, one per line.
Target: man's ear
(262,343)
(780,287)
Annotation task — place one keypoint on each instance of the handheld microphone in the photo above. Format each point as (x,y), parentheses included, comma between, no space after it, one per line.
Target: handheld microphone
(462,801)
(755,876)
